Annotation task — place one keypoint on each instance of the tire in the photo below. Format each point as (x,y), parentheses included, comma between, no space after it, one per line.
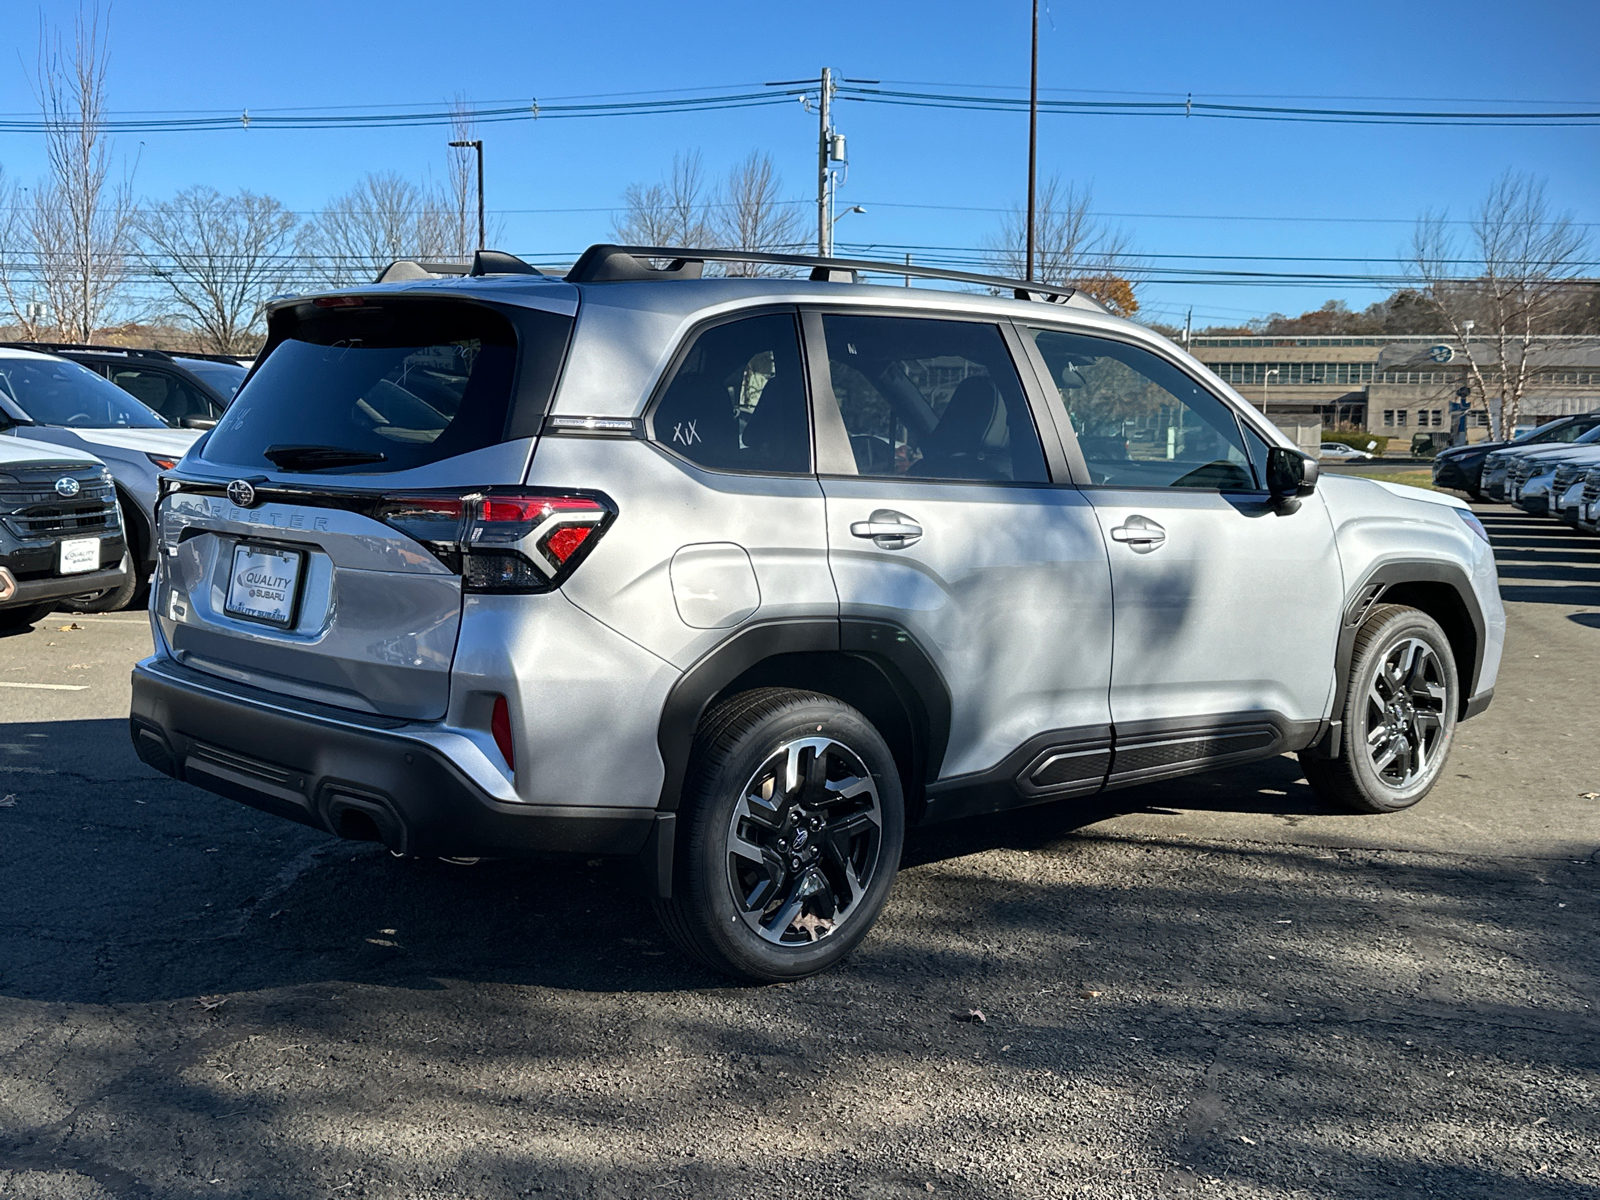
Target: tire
(1403,697)
(113,599)
(827,853)
(14,620)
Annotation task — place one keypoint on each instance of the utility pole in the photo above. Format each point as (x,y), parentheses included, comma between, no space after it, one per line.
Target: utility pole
(478,146)
(1033,135)
(824,225)
(1188,328)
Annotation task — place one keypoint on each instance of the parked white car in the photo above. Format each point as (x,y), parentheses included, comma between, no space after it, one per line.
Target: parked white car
(1339,452)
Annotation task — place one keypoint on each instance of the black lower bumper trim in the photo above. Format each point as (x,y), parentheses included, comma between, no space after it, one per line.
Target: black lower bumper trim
(1477,704)
(57,587)
(357,782)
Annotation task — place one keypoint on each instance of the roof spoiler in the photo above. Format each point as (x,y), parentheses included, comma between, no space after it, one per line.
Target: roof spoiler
(606,263)
(484,262)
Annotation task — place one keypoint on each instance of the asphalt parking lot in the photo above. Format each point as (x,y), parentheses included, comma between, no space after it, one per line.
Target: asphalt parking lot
(1209,988)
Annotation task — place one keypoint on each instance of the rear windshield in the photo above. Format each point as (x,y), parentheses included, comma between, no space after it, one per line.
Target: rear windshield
(54,391)
(385,387)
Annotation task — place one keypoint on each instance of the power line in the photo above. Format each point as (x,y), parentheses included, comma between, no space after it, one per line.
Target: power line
(639,104)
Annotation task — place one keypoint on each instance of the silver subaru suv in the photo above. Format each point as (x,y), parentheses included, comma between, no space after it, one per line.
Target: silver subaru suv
(740,577)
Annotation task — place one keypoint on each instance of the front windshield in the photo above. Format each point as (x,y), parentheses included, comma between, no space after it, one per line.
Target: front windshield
(54,391)
(224,377)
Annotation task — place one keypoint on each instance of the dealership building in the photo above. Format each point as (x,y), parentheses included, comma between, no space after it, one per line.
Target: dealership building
(1395,385)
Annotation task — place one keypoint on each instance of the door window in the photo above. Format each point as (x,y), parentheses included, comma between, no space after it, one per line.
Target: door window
(738,399)
(168,395)
(931,399)
(1140,421)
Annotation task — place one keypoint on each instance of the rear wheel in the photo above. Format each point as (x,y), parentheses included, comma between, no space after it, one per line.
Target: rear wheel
(1399,715)
(793,821)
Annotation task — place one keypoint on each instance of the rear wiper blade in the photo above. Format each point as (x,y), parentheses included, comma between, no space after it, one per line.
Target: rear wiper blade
(316,458)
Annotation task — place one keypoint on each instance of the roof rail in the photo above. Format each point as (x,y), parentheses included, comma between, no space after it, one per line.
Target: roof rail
(89,347)
(606,263)
(484,262)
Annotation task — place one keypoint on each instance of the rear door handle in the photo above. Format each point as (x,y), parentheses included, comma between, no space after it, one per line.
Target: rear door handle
(1141,534)
(890,530)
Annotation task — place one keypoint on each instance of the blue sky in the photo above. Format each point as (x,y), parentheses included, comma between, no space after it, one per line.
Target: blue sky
(926,176)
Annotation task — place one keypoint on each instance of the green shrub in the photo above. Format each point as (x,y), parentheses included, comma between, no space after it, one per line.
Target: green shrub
(1358,440)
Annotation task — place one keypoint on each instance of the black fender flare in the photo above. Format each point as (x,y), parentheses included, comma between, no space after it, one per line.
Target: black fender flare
(922,684)
(1374,586)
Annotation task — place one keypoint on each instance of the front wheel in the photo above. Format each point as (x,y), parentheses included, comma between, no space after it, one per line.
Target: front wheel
(793,821)
(1399,715)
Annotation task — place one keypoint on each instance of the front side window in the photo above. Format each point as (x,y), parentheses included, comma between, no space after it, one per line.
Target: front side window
(54,391)
(931,399)
(174,398)
(737,401)
(1140,421)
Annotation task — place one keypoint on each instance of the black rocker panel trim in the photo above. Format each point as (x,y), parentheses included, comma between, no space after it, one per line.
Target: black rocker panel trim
(1151,750)
(1049,766)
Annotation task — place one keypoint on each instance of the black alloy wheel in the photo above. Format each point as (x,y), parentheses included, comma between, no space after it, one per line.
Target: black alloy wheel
(790,830)
(1399,717)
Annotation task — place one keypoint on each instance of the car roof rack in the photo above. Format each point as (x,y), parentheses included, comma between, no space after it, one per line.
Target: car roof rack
(484,262)
(607,263)
(91,348)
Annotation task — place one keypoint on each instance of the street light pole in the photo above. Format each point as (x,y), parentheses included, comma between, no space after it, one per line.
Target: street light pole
(478,146)
(1033,136)
(1266,375)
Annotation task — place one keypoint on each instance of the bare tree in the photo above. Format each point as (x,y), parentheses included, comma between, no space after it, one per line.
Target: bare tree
(1511,280)
(381,219)
(674,212)
(1071,247)
(16,265)
(751,215)
(81,221)
(219,259)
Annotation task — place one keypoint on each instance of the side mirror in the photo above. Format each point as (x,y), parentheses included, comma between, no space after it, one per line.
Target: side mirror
(198,422)
(1290,474)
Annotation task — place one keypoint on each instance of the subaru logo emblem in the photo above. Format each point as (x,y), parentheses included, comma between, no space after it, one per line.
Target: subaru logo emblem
(242,493)
(66,486)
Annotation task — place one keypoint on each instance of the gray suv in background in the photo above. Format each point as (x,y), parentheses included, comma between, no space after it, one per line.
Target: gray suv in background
(740,577)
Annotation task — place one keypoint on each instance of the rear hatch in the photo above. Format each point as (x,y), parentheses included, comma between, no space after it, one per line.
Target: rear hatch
(314,544)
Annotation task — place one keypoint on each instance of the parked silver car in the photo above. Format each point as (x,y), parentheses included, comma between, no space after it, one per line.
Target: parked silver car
(740,576)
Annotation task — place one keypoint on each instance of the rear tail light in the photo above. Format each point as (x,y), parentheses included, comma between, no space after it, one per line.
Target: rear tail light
(505,541)
(500,727)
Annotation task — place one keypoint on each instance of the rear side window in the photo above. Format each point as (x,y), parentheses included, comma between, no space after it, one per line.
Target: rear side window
(931,399)
(737,401)
(382,387)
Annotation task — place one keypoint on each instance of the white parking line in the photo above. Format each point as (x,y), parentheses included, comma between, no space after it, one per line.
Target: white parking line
(48,687)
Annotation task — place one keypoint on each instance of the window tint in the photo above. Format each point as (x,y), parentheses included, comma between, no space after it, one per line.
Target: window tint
(55,392)
(1140,421)
(738,399)
(400,384)
(931,399)
(168,395)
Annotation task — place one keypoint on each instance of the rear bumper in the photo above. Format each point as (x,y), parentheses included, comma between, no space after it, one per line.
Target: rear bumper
(358,778)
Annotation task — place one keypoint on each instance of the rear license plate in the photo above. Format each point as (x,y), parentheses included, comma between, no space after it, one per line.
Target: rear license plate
(79,555)
(265,584)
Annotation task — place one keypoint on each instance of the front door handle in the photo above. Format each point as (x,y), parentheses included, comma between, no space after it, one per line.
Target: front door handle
(888,529)
(1141,534)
